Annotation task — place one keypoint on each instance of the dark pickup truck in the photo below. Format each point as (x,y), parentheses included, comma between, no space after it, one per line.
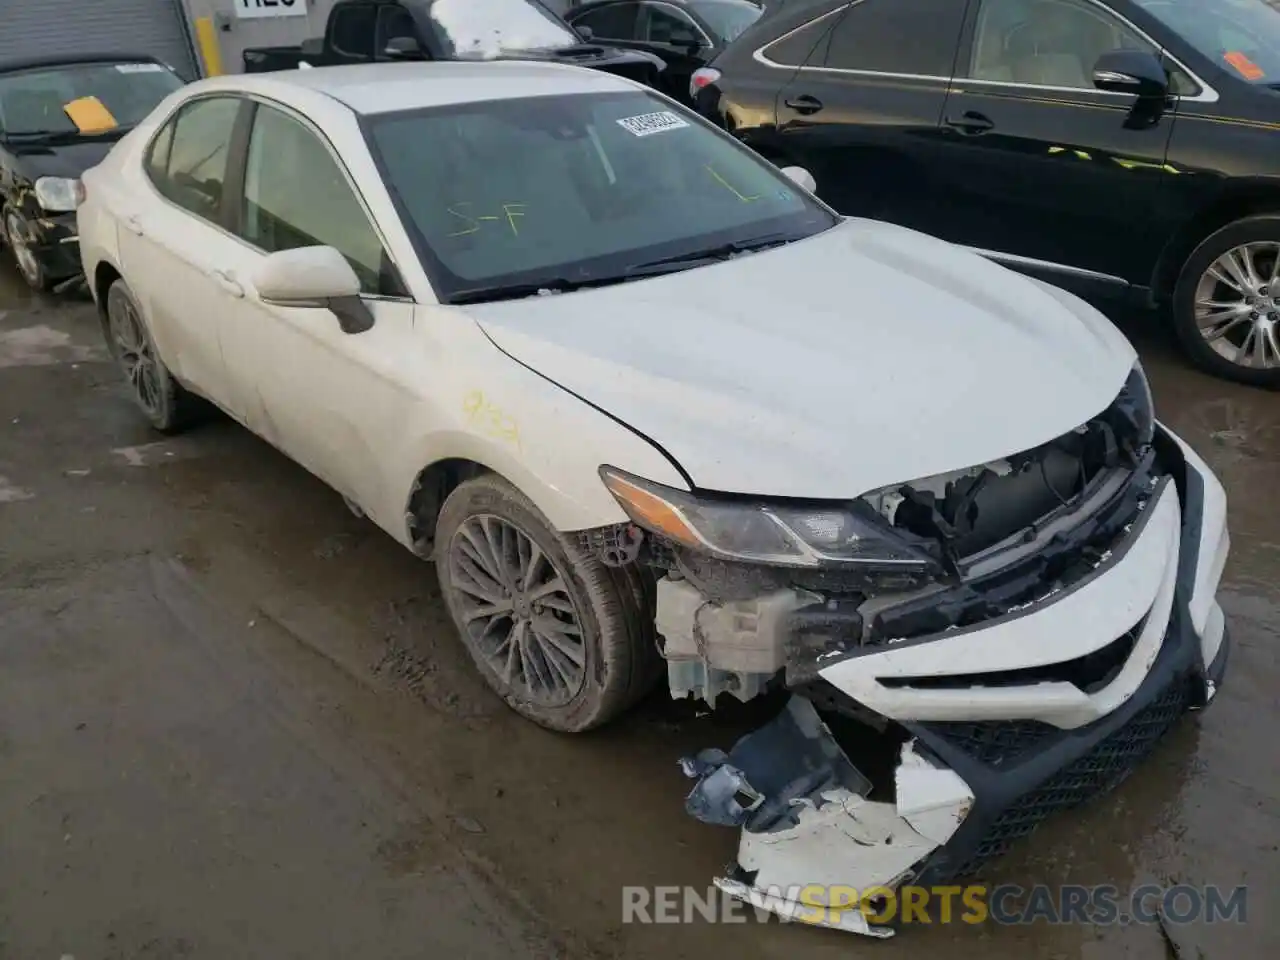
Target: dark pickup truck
(369,31)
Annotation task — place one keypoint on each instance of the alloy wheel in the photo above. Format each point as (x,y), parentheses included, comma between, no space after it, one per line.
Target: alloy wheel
(20,243)
(1237,305)
(135,354)
(517,610)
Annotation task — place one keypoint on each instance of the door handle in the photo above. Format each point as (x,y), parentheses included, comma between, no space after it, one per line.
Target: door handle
(803,104)
(970,123)
(228,283)
(133,225)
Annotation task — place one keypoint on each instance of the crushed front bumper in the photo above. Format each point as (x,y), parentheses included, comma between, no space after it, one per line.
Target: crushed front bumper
(984,764)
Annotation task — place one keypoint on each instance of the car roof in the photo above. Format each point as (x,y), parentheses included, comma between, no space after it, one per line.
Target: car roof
(391,87)
(72,59)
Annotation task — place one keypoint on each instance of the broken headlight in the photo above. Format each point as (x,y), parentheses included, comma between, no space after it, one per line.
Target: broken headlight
(793,535)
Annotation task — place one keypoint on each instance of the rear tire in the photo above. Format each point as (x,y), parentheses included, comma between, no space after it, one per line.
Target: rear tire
(1226,303)
(564,639)
(161,398)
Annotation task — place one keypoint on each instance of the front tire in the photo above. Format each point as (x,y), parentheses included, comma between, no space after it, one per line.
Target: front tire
(17,233)
(564,639)
(160,398)
(1226,304)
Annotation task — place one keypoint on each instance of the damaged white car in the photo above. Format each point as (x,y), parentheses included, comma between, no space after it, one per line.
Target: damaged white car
(650,405)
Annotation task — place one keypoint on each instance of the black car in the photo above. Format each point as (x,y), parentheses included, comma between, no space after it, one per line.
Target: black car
(58,117)
(371,31)
(684,33)
(1116,146)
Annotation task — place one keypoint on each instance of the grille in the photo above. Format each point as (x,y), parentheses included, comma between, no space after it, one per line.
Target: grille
(1091,776)
(995,742)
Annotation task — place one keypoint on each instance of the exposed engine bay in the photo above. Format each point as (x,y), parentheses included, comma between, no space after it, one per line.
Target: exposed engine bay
(997,537)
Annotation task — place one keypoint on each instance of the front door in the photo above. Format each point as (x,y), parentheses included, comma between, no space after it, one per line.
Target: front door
(335,402)
(862,111)
(1039,163)
(671,33)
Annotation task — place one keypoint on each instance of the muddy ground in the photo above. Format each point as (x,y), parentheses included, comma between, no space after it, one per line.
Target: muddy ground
(234,722)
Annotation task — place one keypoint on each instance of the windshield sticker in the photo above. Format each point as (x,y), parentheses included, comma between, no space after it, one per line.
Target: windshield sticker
(90,115)
(139,68)
(650,123)
(1244,66)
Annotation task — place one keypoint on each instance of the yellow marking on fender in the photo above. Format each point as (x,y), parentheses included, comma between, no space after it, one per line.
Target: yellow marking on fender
(489,419)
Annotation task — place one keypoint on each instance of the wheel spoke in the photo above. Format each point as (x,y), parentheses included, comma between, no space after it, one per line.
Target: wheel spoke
(532,565)
(1272,344)
(1216,333)
(479,554)
(554,585)
(573,652)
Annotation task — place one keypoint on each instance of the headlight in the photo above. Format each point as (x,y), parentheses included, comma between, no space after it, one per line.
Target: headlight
(59,195)
(781,535)
(1136,404)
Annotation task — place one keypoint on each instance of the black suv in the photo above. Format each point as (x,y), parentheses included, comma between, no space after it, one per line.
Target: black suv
(1114,146)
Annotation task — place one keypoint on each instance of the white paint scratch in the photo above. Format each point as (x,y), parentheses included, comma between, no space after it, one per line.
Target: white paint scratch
(42,347)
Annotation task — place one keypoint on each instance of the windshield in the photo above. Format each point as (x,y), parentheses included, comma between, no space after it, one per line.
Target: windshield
(581,189)
(82,98)
(727,18)
(1241,35)
(487,28)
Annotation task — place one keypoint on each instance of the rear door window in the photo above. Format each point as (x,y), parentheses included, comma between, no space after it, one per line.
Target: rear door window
(351,31)
(188,163)
(907,37)
(614,22)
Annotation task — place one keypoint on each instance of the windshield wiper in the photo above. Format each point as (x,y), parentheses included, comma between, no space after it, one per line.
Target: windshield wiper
(514,291)
(715,254)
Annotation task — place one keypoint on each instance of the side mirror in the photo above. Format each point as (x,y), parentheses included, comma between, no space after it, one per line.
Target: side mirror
(403,48)
(314,277)
(1131,71)
(585,32)
(801,178)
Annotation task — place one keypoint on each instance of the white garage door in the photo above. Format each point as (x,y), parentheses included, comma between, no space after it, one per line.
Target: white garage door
(37,28)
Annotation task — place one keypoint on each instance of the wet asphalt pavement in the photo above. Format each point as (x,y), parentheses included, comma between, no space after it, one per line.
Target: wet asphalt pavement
(235,723)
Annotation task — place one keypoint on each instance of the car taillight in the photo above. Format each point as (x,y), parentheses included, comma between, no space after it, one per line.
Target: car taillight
(701,77)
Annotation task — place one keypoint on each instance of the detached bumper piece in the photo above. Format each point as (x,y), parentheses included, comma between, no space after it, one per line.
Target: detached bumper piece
(808,825)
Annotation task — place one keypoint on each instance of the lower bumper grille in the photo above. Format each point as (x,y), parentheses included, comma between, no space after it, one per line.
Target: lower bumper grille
(1092,775)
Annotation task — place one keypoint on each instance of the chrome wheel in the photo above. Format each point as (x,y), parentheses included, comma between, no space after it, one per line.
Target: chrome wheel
(20,242)
(517,610)
(135,354)
(1237,305)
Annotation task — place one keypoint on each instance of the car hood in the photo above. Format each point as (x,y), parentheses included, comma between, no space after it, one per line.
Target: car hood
(68,160)
(863,356)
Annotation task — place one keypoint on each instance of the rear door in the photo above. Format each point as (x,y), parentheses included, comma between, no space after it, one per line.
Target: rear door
(1039,163)
(863,111)
(174,244)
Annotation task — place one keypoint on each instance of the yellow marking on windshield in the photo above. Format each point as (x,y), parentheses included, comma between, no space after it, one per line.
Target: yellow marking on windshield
(490,419)
(90,115)
(728,186)
(511,212)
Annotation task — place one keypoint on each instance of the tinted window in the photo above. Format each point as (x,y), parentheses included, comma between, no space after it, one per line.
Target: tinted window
(1046,42)
(617,22)
(295,195)
(580,187)
(917,37)
(794,49)
(197,167)
(394,22)
(34,100)
(665,25)
(351,30)
(727,18)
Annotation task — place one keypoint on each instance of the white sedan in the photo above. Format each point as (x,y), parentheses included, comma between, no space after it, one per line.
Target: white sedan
(648,403)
